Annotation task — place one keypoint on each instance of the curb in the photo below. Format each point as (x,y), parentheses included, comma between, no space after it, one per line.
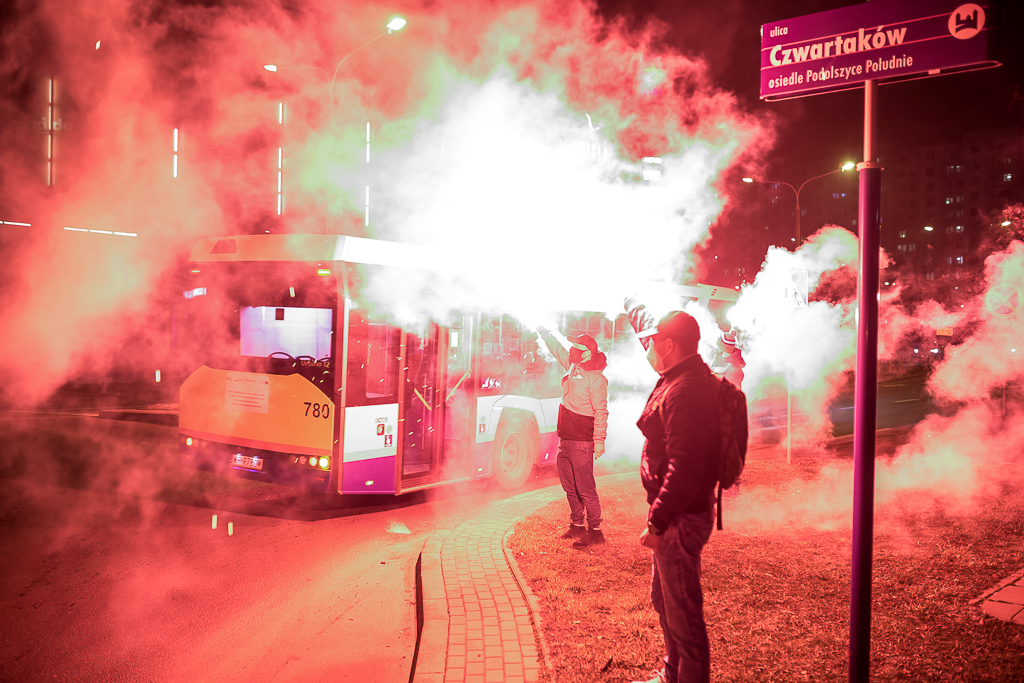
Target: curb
(531,599)
(429,657)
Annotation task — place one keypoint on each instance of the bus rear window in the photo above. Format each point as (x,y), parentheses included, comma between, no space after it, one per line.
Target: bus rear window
(267,330)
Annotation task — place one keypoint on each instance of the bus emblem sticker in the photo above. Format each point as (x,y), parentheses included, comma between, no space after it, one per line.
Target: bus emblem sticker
(388,439)
(380,430)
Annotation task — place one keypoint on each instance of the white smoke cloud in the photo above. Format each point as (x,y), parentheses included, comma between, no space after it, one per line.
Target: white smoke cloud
(804,349)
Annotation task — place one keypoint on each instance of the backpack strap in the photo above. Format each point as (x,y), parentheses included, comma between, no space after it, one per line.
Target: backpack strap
(719,506)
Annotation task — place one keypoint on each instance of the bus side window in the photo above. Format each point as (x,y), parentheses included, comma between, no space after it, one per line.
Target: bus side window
(372,360)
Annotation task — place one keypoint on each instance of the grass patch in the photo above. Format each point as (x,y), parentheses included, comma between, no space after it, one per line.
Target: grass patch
(777,594)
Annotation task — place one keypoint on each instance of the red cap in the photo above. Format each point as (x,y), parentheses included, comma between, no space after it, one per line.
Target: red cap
(675,324)
(585,340)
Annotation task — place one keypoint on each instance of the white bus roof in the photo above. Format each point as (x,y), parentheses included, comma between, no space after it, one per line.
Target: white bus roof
(286,247)
(350,249)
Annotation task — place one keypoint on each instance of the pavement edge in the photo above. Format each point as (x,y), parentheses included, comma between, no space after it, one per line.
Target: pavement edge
(431,653)
(531,599)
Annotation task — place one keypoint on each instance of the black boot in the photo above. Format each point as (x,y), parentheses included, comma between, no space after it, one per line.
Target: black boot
(575,531)
(593,537)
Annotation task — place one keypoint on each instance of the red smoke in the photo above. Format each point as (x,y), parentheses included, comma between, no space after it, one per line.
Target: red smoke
(198,68)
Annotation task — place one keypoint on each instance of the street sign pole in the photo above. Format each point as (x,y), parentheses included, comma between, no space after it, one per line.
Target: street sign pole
(885,41)
(865,394)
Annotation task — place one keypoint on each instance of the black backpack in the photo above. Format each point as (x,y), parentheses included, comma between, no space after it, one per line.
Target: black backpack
(732,416)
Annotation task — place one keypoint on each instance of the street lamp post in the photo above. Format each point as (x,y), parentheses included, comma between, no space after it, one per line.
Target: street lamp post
(796,190)
(395,24)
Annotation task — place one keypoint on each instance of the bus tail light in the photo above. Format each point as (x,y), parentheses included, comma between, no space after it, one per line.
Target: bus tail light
(323,462)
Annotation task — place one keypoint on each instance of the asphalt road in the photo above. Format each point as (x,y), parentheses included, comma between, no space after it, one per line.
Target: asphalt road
(112,570)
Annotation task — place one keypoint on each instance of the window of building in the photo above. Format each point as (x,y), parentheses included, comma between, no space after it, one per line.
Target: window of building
(929,276)
(959,214)
(1007,177)
(960,259)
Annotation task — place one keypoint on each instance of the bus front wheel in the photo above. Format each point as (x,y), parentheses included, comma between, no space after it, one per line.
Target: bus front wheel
(516,445)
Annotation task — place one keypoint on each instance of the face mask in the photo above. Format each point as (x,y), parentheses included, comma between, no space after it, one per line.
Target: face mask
(657,360)
(578,355)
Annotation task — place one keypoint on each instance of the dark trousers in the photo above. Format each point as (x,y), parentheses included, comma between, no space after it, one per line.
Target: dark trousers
(679,600)
(575,463)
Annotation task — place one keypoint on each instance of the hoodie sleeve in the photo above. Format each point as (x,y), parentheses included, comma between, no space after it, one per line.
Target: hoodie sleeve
(555,348)
(599,402)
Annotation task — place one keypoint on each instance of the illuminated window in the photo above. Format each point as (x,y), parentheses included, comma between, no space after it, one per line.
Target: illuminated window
(1007,177)
(903,234)
(295,331)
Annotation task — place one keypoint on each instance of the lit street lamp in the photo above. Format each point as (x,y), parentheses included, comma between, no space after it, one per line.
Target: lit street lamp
(796,190)
(394,25)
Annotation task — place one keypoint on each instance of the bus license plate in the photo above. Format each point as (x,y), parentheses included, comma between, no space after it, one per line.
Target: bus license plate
(249,462)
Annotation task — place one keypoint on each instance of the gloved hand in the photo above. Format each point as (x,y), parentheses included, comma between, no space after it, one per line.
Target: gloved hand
(598,449)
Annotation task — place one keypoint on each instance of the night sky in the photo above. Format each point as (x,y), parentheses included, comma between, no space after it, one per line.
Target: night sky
(939,109)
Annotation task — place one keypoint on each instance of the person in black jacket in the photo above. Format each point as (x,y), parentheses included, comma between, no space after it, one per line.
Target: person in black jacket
(679,471)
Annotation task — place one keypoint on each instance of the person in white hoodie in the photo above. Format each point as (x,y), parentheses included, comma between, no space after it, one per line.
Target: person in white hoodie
(582,429)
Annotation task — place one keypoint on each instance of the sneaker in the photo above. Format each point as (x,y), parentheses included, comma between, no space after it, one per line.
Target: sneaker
(575,531)
(593,537)
(659,677)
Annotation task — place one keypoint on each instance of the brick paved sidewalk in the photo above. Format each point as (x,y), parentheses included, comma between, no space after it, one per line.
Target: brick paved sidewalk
(481,622)
(1005,601)
(478,621)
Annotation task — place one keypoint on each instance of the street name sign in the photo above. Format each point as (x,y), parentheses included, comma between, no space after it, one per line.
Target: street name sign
(883,41)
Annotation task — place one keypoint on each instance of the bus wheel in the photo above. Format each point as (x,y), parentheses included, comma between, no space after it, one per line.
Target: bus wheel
(516,445)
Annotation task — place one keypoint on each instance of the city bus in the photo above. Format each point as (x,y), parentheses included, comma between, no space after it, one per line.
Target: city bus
(300,373)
